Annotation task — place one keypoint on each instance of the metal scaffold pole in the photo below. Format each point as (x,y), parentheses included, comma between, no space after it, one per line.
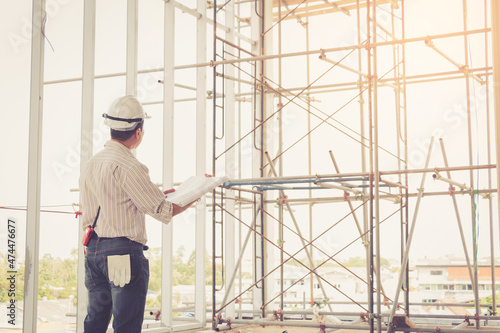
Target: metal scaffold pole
(488,138)
(281,235)
(214,159)
(469,136)
(371,266)
(406,217)
(376,173)
(370,85)
(495,37)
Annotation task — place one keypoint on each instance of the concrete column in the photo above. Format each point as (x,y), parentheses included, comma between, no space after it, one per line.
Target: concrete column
(168,164)
(131,80)
(34,169)
(201,161)
(87,127)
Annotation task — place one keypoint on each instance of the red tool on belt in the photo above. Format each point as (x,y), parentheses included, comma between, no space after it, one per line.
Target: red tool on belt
(89,231)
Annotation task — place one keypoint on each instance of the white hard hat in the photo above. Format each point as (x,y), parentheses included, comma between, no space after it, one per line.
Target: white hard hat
(124,114)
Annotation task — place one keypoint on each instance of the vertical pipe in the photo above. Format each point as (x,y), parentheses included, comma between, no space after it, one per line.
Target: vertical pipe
(471,172)
(488,139)
(201,158)
(87,125)
(214,135)
(370,128)
(405,122)
(262,253)
(309,149)
(495,37)
(131,73)
(34,168)
(399,139)
(268,145)
(280,161)
(168,154)
(257,28)
(376,167)
(229,133)
(365,238)
(239,176)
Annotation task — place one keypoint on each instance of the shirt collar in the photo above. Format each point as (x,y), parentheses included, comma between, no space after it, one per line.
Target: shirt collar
(116,145)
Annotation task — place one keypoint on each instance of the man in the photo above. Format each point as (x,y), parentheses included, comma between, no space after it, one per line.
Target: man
(116,193)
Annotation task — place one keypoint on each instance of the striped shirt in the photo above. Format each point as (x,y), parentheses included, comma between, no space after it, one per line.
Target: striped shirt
(117,182)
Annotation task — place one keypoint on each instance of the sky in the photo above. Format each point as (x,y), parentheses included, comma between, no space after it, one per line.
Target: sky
(434,109)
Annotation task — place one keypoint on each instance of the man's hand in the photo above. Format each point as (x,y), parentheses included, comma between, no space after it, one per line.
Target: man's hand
(178,209)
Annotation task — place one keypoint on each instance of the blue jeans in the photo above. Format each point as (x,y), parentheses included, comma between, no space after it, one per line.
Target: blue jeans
(126,303)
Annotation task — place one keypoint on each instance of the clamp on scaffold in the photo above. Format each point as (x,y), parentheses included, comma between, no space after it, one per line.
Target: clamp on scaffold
(451,190)
(428,41)
(78,209)
(282,199)
(277,314)
(322,54)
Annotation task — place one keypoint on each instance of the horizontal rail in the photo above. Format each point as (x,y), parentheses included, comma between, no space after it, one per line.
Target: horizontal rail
(262,180)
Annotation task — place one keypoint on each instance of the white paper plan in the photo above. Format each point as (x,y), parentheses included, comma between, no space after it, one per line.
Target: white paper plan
(194,188)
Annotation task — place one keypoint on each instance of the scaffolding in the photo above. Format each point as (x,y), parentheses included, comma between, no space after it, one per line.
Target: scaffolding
(268,213)
(367,187)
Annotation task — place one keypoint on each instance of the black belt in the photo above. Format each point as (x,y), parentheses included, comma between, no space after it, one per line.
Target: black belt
(96,237)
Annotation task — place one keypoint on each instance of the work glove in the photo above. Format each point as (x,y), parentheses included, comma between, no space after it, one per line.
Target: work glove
(119,269)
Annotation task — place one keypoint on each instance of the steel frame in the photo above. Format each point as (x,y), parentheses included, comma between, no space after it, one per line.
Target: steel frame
(368,86)
(261,54)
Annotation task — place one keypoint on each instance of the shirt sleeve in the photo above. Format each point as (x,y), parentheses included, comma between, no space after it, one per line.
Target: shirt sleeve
(145,195)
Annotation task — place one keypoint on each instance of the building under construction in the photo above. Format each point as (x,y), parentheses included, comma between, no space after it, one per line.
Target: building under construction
(347,128)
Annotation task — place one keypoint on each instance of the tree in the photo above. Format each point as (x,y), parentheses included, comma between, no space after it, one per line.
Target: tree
(184,270)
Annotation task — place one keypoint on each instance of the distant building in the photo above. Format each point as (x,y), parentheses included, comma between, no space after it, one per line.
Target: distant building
(438,279)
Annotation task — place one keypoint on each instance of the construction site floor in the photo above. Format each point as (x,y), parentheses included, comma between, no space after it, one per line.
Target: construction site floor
(270,329)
